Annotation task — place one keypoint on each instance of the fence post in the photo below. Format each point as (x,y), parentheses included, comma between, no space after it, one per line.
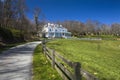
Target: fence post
(42,48)
(53,59)
(77,75)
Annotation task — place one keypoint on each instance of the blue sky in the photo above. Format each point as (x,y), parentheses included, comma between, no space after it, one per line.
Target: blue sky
(105,11)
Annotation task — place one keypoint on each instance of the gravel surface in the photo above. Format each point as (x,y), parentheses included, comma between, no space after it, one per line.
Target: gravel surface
(16,63)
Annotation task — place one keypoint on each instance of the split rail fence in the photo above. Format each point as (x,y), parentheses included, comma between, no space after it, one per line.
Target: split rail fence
(67,69)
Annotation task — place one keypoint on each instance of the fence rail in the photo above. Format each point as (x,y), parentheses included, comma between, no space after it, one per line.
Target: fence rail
(57,62)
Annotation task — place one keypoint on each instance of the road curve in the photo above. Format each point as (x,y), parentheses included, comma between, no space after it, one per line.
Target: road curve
(16,63)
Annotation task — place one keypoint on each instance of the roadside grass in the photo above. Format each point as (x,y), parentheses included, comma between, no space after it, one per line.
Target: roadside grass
(101,58)
(42,69)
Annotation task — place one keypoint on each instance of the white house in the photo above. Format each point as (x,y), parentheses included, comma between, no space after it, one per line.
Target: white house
(55,31)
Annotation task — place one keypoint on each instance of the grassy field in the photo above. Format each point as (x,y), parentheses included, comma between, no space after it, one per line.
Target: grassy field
(101,58)
(42,69)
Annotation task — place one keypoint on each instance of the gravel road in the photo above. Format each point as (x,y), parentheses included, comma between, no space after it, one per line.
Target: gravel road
(16,63)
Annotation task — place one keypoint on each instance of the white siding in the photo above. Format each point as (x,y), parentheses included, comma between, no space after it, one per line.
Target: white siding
(55,30)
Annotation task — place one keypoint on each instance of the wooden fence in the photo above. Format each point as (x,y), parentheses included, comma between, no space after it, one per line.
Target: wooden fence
(73,70)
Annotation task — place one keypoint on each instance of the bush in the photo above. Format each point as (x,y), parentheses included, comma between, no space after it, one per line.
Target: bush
(6,35)
(9,35)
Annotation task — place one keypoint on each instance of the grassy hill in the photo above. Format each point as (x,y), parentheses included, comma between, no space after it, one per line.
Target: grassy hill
(101,58)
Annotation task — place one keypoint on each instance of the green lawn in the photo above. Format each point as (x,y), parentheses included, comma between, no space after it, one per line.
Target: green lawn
(42,69)
(101,58)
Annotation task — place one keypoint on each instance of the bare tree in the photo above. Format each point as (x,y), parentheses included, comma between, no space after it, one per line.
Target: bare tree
(1,13)
(77,28)
(115,28)
(7,12)
(37,11)
(105,29)
(90,27)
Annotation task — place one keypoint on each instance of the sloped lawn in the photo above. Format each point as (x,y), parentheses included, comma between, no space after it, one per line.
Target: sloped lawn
(101,58)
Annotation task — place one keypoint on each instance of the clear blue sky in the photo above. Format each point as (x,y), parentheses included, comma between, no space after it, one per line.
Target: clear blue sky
(105,11)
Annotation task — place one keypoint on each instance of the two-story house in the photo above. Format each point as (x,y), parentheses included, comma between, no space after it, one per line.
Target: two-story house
(55,31)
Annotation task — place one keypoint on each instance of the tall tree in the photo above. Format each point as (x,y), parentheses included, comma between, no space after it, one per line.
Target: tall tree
(37,11)
(90,27)
(7,11)
(105,29)
(115,28)
(21,9)
(1,13)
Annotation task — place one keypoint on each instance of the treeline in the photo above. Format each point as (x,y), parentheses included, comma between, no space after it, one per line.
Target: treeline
(14,21)
(15,25)
(91,28)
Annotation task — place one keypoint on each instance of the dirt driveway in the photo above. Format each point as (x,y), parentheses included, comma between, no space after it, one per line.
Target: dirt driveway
(16,63)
